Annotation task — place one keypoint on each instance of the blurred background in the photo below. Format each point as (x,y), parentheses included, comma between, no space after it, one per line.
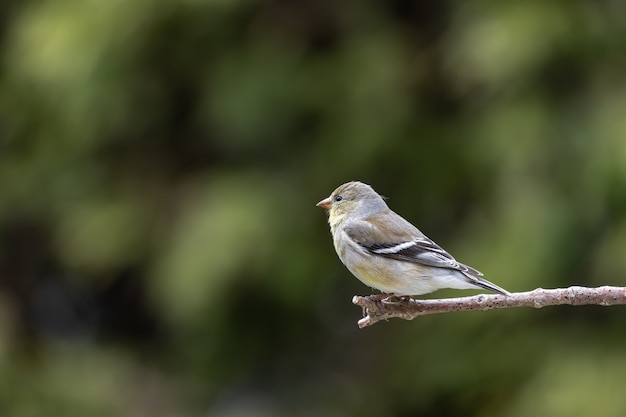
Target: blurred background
(160,249)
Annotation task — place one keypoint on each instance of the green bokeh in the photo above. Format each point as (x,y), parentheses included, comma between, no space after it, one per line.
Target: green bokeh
(160,249)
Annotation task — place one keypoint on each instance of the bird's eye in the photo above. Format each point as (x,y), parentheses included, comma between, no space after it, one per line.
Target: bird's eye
(338,198)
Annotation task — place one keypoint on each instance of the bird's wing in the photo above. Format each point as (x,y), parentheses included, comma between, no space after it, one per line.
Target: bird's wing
(391,236)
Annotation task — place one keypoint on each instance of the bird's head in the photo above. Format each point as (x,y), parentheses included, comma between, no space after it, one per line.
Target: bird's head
(352,198)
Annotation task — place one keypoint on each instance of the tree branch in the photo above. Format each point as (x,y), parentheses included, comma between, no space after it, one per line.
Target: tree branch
(382,307)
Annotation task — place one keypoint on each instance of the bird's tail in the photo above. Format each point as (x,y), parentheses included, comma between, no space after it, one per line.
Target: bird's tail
(483,283)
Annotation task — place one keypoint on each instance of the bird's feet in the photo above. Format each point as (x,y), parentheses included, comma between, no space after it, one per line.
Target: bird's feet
(390,298)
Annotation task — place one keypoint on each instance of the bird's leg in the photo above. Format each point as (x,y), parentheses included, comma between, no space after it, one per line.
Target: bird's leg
(380,297)
(389,298)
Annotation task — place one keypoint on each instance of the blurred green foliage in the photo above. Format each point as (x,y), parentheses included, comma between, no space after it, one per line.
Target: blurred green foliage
(160,251)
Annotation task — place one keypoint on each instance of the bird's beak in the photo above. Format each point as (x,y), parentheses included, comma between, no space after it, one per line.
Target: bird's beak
(325,203)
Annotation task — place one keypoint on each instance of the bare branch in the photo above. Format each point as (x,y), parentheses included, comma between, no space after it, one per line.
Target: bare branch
(381,307)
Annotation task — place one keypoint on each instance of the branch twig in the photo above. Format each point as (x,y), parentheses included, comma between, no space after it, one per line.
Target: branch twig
(378,307)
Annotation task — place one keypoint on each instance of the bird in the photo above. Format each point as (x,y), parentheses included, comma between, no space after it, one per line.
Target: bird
(386,252)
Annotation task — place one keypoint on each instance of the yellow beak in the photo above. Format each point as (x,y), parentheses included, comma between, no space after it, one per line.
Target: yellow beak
(325,203)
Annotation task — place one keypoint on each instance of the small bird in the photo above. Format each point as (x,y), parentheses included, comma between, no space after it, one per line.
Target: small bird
(388,253)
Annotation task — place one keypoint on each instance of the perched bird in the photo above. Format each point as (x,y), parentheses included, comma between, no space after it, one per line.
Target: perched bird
(388,253)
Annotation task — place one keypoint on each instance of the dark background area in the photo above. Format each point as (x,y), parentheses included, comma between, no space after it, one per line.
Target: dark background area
(160,249)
